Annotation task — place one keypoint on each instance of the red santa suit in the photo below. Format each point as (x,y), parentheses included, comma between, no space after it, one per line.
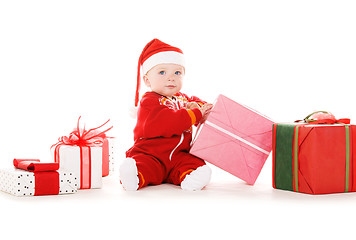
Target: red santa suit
(162,135)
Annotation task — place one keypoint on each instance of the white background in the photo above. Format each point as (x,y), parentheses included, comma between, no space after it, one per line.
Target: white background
(63,59)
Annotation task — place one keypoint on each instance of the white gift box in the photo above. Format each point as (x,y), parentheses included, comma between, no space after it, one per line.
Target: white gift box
(22,183)
(84,162)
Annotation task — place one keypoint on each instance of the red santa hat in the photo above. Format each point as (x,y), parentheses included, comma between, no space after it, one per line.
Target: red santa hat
(156,52)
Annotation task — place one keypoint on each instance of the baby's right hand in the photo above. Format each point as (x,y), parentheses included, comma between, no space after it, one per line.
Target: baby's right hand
(191,105)
(205,110)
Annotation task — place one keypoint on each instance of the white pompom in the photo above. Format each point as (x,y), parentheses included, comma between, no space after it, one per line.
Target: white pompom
(133,112)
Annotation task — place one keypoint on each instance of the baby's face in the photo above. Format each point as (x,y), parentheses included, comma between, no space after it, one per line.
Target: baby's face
(165,79)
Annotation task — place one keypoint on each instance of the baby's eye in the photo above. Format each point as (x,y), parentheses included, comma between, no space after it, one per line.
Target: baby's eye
(162,72)
(178,73)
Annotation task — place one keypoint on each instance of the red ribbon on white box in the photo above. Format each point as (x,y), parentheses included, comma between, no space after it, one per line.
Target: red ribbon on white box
(84,139)
(46,175)
(85,167)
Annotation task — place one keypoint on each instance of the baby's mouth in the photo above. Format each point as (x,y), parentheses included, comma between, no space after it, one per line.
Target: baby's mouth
(171,86)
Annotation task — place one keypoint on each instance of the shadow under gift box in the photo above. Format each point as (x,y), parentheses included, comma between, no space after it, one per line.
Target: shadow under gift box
(314,158)
(234,138)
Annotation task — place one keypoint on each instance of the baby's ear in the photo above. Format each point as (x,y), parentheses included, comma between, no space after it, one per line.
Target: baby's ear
(146,81)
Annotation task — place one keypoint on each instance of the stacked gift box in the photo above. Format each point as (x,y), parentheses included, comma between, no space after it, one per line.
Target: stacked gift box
(80,160)
(33,178)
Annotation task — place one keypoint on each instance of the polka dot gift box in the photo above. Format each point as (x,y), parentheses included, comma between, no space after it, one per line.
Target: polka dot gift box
(33,178)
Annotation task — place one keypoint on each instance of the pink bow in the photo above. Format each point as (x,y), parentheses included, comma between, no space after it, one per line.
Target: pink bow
(323,117)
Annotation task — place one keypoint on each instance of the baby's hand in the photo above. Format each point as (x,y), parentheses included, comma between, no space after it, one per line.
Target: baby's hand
(192,105)
(205,110)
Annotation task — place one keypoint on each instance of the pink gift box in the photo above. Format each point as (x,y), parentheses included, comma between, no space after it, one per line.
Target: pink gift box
(234,138)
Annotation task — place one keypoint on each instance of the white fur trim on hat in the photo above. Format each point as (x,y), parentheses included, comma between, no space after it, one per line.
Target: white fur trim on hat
(163,57)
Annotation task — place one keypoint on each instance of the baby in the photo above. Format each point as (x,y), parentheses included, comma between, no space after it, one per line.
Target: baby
(163,132)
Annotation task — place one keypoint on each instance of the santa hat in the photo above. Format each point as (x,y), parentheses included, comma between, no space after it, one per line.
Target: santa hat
(156,52)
